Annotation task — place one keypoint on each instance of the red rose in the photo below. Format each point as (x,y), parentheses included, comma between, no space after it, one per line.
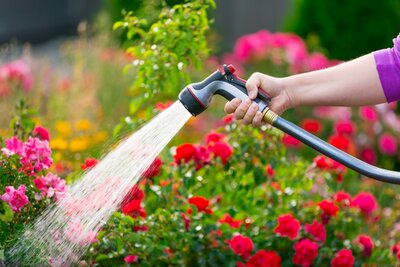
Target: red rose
(42,133)
(162,106)
(131,204)
(322,162)
(340,141)
(221,150)
(343,258)
(328,207)
(213,137)
(344,127)
(228,118)
(305,252)
(366,202)
(287,226)
(312,126)
(241,245)
(89,163)
(184,153)
(140,228)
(201,204)
(343,196)
(366,243)
(264,258)
(154,169)
(317,230)
(270,171)
(289,141)
(230,221)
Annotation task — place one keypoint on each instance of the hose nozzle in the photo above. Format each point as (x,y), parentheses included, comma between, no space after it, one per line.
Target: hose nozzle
(197,96)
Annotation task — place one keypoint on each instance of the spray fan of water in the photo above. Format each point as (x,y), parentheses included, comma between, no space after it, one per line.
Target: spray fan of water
(65,229)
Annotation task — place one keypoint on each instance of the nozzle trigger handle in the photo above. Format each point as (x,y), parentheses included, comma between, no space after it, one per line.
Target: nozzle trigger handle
(240,92)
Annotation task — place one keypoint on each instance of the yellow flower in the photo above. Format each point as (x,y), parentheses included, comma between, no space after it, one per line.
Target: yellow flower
(79,144)
(63,128)
(100,137)
(57,156)
(83,125)
(58,143)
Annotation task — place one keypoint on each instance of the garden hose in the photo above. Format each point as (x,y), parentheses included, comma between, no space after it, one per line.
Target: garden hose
(197,96)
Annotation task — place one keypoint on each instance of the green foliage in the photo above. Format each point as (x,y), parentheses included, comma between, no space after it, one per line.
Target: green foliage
(167,49)
(346,29)
(21,123)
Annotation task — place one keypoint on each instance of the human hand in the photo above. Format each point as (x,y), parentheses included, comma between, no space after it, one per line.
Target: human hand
(247,111)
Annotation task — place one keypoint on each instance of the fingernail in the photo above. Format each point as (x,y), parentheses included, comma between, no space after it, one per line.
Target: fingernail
(254,106)
(248,101)
(253,94)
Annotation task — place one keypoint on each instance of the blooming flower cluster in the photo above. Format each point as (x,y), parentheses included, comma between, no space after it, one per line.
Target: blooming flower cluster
(34,154)
(280,48)
(50,186)
(215,147)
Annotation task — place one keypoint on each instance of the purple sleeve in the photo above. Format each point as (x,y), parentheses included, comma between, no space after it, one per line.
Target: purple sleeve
(388,66)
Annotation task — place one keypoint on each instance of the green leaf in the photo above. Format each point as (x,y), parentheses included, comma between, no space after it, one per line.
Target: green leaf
(135,105)
(7,215)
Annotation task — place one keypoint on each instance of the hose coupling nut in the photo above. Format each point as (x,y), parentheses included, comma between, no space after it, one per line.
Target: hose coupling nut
(269,116)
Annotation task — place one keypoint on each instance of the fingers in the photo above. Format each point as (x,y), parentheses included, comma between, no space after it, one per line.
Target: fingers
(253,83)
(251,112)
(242,109)
(257,119)
(232,105)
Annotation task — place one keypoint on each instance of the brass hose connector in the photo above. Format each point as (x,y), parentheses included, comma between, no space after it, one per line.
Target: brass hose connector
(269,116)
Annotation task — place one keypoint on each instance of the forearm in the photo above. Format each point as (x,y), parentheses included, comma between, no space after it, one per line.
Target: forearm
(353,83)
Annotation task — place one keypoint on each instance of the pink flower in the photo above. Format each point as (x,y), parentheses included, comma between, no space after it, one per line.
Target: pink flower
(328,207)
(368,155)
(369,114)
(131,258)
(366,202)
(15,198)
(269,171)
(305,252)
(36,153)
(51,186)
(317,61)
(20,72)
(388,144)
(317,230)
(287,226)
(366,243)
(42,133)
(345,127)
(241,245)
(13,146)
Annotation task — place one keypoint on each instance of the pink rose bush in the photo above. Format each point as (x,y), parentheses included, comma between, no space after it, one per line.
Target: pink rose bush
(27,184)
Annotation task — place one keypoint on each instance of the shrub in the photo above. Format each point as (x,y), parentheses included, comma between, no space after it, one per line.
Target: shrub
(346,29)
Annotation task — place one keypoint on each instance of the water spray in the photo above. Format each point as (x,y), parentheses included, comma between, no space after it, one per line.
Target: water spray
(197,96)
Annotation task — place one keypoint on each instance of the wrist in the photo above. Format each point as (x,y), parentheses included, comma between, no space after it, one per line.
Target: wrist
(289,91)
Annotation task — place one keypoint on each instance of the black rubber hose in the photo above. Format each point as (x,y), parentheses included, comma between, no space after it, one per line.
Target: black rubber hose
(353,163)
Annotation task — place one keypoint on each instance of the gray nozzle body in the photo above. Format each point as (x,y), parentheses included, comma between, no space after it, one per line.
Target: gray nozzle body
(197,96)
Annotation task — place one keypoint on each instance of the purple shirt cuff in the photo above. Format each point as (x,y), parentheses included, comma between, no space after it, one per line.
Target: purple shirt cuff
(388,66)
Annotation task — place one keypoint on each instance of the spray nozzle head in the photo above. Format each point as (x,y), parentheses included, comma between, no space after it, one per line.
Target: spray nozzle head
(197,96)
